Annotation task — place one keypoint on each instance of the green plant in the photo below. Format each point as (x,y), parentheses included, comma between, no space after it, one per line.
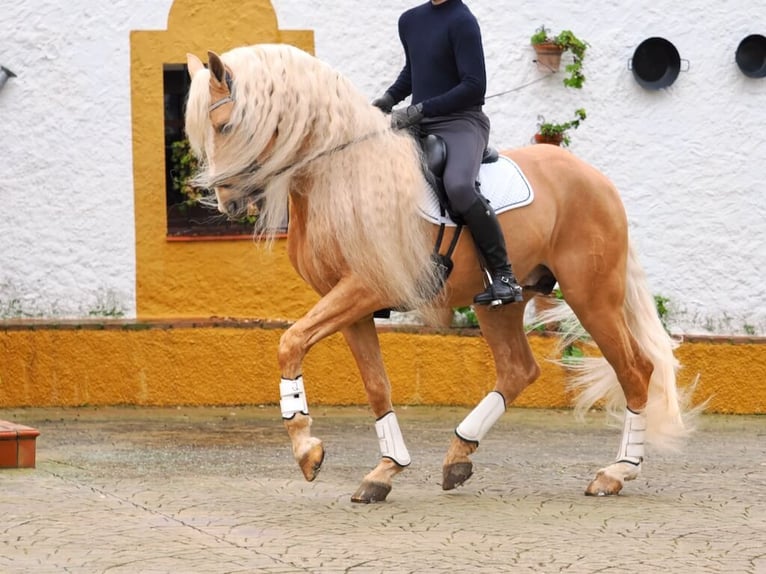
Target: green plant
(468,316)
(567,42)
(663,310)
(572,354)
(184,166)
(559,130)
(107,305)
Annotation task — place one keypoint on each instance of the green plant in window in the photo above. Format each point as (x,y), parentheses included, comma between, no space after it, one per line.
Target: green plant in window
(184,166)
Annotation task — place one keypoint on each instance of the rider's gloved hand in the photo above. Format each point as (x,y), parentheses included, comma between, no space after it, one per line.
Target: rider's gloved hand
(406,117)
(384,103)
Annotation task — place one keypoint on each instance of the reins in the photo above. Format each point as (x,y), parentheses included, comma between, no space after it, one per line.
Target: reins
(336,149)
(297,165)
(443,260)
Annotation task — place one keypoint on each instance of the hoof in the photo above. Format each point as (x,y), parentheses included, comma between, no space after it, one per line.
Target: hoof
(371,492)
(311,461)
(603,485)
(456,474)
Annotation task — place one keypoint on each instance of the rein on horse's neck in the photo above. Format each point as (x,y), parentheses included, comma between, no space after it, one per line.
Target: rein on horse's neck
(337,148)
(253,167)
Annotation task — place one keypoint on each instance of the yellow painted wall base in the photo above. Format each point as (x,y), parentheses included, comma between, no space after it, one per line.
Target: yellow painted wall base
(206,363)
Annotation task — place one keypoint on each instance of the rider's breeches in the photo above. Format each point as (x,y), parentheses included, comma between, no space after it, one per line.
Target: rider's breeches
(466,135)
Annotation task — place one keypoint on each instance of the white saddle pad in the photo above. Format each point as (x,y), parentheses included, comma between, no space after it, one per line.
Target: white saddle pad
(502,183)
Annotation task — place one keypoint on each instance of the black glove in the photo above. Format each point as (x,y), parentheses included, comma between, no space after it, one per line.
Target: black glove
(406,117)
(384,103)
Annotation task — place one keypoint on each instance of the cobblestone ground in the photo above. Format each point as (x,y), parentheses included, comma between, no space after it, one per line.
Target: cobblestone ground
(215,490)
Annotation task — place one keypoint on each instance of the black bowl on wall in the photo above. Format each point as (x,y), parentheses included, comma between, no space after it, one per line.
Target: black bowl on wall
(751,56)
(656,63)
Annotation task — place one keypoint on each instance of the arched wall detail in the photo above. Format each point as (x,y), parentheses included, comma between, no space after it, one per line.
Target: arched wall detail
(201,278)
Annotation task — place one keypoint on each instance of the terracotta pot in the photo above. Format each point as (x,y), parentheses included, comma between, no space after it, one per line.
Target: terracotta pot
(548,56)
(553,140)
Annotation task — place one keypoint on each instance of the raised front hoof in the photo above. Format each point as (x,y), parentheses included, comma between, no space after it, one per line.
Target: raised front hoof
(456,474)
(311,461)
(603,485)
(370,492)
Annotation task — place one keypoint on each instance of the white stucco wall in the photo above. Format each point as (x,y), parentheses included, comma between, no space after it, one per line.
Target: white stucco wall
(688,160)
(66,173)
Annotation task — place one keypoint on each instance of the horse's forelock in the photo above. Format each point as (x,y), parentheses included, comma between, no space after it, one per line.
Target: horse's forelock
(197,116)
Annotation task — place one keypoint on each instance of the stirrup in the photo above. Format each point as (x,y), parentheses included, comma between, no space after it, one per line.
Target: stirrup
(516,295)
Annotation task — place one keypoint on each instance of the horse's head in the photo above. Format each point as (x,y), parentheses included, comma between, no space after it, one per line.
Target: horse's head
(234,196)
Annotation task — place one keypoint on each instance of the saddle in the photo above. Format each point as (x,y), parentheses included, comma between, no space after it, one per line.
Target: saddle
(434,150)
(435,158)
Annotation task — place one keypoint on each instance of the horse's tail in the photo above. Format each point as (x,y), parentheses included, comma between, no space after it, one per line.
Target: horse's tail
(667,410)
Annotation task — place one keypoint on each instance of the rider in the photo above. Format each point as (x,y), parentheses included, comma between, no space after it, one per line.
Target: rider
(445,73)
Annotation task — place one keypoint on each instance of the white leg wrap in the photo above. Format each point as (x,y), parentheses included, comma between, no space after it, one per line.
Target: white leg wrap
(390,439)
(633,437)
(480,420)
(293,397)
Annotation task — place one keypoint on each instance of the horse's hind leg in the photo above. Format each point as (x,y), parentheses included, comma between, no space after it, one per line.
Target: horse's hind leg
(516,368)
(602,315)
(362,339)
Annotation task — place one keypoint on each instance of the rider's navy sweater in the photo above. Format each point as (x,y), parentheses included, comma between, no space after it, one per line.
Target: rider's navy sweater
(444,59)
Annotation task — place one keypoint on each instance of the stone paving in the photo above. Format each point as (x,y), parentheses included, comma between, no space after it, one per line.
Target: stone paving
(215,490)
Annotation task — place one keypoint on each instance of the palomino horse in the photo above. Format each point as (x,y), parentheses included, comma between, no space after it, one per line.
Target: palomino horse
(273,124)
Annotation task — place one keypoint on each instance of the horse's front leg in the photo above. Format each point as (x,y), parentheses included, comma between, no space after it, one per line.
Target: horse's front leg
(362,339)
(341,306)
(516,368)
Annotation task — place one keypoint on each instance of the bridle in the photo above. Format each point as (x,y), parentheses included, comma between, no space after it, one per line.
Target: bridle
(226,100)
(215,105)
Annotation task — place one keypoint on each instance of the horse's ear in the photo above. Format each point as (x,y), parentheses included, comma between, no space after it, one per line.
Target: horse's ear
(193,64)
(217,67)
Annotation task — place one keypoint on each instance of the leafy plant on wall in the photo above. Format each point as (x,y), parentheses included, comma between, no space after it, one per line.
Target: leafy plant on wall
(564,41)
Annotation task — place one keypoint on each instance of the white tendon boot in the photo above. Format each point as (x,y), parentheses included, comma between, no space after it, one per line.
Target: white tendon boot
(610,479)
(391,440)
(633,438)
(292,397)
(480,419)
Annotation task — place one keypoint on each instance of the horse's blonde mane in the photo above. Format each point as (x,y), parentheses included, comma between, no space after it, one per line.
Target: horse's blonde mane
(312,133)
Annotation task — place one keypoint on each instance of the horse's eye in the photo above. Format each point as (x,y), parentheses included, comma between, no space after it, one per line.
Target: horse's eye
(223,129)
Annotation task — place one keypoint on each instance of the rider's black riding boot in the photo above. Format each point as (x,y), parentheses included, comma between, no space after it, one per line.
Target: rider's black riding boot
(488,237)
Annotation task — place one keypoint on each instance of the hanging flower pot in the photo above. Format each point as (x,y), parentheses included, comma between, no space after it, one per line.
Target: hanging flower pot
(548,56)
(549,48)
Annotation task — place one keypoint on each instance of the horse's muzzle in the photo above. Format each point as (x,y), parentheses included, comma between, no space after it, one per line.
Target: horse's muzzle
(235,207)
(230,207)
